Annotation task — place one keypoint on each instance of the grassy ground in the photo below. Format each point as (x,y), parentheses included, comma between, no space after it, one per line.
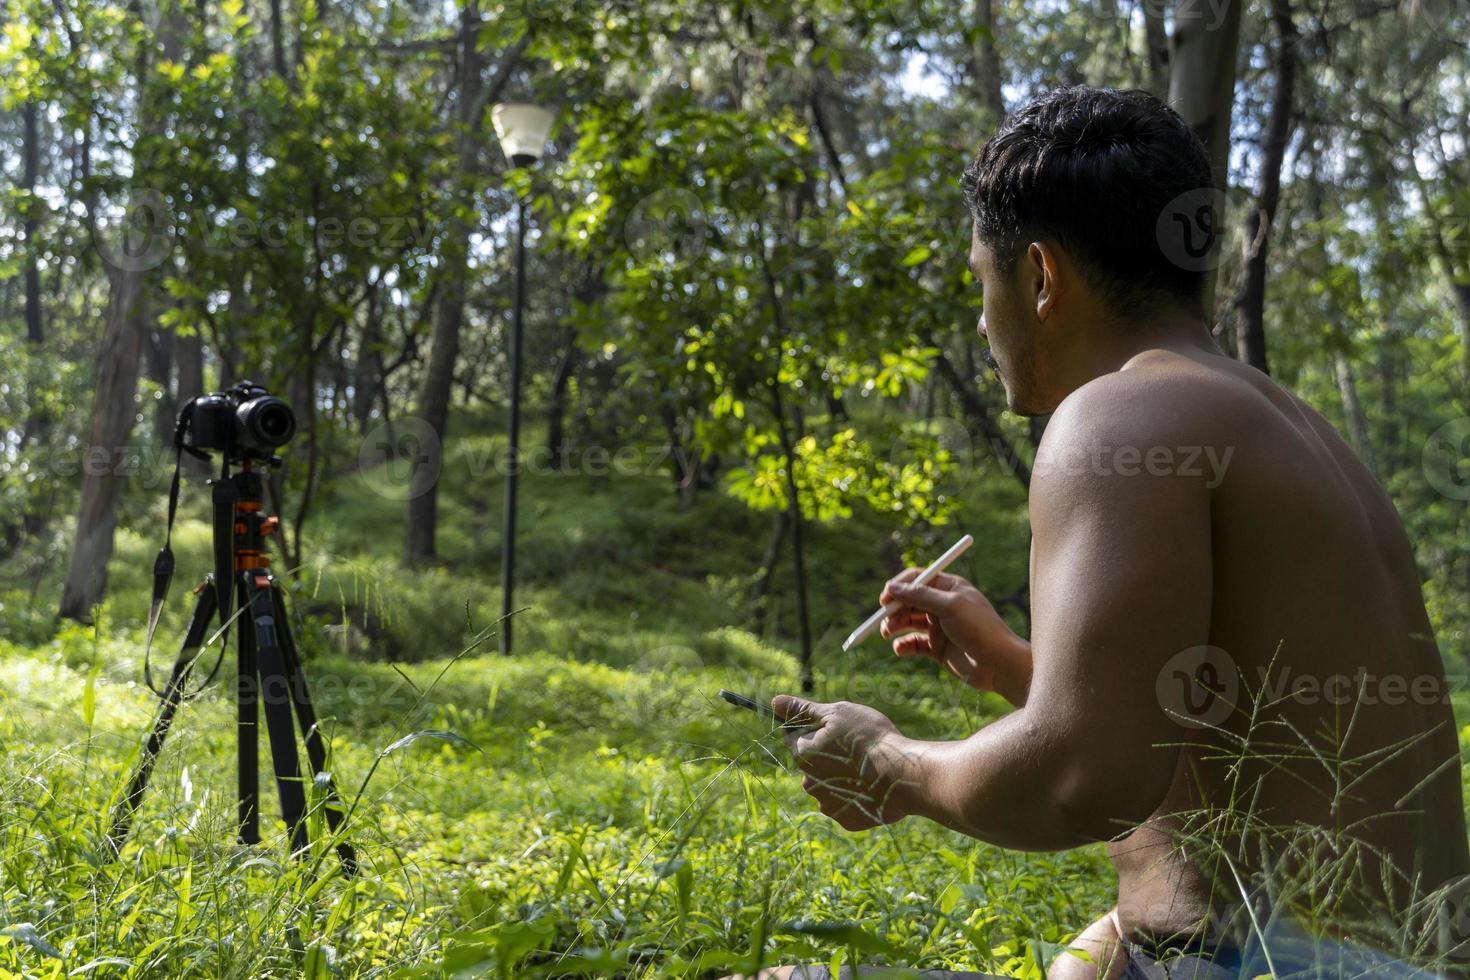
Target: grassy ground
(586,807)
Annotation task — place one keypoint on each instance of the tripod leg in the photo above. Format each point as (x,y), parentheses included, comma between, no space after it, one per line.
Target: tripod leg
(316,749)
(173,693)
(247,697)
(275,692)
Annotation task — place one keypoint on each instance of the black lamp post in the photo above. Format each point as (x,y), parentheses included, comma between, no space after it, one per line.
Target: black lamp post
(522,130)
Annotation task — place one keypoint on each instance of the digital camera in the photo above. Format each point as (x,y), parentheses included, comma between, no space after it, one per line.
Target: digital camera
(245,422)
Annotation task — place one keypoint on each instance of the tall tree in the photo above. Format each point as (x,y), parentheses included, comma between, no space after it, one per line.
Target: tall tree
(1156,38)
(473,96)
(31,151)
(1202,68)
(1251,333)
(118,354)
(985,67)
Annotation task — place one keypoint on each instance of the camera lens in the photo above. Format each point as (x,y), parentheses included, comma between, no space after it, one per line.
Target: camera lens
(267,421)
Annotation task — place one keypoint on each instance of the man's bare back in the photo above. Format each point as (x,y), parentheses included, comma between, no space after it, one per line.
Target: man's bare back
(1229,653)
(1319,637)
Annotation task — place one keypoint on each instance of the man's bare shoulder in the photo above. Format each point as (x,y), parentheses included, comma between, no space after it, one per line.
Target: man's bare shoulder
(1163,414)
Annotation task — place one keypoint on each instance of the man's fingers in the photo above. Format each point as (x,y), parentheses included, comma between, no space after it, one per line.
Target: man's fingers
(798,711)
(924,597)
(904,621)
(913,645)
(943,582)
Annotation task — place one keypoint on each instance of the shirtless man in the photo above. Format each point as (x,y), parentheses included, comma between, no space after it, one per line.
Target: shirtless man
(1200,536)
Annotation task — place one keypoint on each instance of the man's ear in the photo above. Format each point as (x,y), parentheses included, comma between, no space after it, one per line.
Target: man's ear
(1042,269)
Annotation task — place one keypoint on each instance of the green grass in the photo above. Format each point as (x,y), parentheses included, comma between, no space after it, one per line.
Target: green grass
(620,809)
(597,811)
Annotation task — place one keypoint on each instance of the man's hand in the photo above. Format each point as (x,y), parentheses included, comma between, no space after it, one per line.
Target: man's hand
(850,759)
(950,621)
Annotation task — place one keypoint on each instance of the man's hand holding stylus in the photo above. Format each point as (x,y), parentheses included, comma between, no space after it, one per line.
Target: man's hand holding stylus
(851,759)
(950,621)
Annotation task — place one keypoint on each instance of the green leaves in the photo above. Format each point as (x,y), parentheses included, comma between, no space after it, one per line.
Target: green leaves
(849,934)
(917,255)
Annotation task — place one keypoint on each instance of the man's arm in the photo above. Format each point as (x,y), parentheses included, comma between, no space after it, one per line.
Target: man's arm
(1122,583)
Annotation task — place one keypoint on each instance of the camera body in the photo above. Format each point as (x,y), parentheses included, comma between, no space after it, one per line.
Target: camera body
(245,422)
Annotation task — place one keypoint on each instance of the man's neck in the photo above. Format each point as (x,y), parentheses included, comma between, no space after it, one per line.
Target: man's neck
(1115,341)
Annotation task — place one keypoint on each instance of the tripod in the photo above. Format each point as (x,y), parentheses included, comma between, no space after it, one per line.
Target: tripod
(268,669)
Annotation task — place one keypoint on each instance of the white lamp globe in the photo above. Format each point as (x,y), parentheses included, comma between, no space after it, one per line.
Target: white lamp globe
(522,129)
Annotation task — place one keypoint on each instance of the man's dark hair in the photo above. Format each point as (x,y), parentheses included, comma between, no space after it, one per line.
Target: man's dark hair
(1093,170)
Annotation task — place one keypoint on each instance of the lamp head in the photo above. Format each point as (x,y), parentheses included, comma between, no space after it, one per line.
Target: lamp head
(522,129)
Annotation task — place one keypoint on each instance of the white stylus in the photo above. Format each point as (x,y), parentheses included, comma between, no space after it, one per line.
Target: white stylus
(870,625)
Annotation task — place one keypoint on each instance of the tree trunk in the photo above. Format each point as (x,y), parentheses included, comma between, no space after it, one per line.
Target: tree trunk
(34,332)
(793,493)
(112,420)
(766,573)
(278,43)
(433,401)
(367,378)
(189,352)
(795,520)
(1461,292)
(1352,409)
(985,62)
(116,385)
(1251,336)
(159,347)
(678,457)
(981,418)
(1202,56)
(1156,37)
(35,421)
(556,409)
(1390,438)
